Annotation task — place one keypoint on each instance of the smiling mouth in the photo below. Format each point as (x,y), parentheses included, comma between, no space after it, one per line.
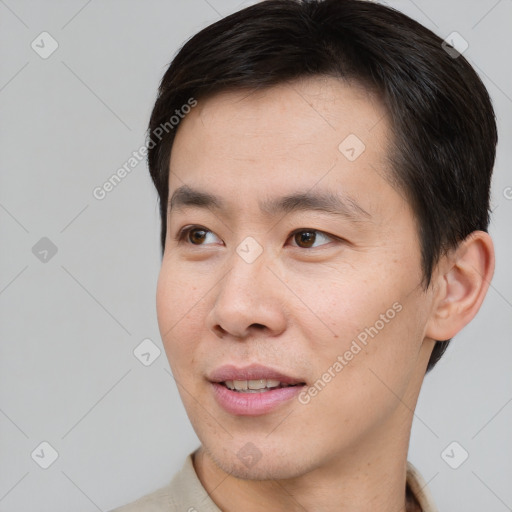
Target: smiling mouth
(256,386)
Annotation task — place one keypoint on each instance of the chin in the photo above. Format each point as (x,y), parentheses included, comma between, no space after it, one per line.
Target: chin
(244,460)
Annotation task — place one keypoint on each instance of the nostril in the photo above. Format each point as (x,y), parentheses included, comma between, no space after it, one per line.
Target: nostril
(221,331)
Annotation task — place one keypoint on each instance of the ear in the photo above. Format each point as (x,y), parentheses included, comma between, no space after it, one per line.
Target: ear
(462,279)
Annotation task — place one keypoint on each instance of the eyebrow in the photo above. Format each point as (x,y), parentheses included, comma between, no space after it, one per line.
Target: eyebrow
(339,205)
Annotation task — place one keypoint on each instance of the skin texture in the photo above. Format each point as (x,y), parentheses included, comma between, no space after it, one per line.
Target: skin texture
(303,301)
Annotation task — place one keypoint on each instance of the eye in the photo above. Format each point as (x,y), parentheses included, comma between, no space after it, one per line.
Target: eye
(304,237)
(192,234)
(308,237)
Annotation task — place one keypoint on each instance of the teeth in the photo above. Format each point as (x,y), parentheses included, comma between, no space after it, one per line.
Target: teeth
(248,385)
(240,385)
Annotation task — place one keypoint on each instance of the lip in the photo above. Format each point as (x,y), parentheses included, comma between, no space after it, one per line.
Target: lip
(252,404)
(251,372)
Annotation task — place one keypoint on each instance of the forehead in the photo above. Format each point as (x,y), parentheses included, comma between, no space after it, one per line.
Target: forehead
(296,111)
(315,133)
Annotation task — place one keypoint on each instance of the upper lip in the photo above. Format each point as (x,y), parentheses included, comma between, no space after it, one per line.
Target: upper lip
(251,372)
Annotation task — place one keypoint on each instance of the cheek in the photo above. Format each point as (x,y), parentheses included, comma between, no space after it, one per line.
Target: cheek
(177,304)
(344,304)
(365,327)
(361,383)
(179,293)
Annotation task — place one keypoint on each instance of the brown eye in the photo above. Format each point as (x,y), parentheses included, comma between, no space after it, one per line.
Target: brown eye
(196,235)
(305,237)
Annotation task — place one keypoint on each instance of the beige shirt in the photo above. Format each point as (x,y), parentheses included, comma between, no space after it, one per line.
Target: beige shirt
(185,493)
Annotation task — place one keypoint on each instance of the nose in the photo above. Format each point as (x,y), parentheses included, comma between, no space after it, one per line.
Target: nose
(249,300)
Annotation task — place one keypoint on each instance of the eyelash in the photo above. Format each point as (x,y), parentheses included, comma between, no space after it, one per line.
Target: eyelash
(180,236)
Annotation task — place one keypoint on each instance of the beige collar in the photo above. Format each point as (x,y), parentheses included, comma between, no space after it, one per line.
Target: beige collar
(420,489)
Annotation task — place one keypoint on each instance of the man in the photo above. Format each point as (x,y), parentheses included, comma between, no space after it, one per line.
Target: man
(323,169)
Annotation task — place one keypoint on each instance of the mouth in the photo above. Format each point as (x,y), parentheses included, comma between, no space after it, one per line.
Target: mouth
(254,376)
(253,390)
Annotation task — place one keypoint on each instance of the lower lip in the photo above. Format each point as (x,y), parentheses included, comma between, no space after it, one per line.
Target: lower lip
(253,404)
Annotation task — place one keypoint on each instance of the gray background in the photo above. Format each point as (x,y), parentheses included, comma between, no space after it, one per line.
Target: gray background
(69,325)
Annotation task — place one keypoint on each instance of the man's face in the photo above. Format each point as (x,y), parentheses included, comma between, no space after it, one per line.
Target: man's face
(294,290)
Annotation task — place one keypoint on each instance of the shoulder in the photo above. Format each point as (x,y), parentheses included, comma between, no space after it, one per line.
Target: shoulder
(184,493)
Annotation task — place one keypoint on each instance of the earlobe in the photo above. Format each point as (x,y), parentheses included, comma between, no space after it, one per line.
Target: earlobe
(463,281)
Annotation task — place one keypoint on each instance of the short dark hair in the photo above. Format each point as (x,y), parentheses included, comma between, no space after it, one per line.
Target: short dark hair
(444,129)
